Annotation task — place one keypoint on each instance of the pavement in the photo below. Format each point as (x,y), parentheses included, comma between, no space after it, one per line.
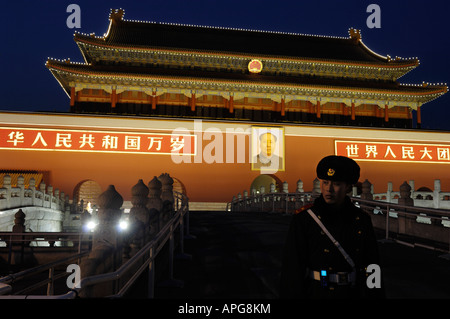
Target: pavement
(237,256)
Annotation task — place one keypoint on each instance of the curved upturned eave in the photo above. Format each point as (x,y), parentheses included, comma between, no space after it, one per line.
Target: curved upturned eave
(407,64)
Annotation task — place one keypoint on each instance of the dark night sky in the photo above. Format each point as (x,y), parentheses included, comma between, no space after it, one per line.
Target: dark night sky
(31,31)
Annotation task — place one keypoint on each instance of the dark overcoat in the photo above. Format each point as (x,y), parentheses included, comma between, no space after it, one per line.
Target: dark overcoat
(308,248)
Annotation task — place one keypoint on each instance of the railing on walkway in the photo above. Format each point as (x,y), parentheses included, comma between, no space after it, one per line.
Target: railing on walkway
(141,261)
(425,223)
(271,202)
(6,281)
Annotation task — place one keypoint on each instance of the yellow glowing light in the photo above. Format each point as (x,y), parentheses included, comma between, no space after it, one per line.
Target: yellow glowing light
(255,66)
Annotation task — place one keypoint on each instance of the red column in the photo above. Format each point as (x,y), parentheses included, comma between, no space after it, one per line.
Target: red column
(73,96)
(318,110)
(283,107)
(153,100)
(419,117)
(231,104)
(113,98)
(193,102)
(353,112)
(386,113)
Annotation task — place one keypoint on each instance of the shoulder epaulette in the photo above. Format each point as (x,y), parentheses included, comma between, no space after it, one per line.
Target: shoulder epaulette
(303,208)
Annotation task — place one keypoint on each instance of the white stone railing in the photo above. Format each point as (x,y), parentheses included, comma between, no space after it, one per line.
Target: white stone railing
(45,196)
(430,199)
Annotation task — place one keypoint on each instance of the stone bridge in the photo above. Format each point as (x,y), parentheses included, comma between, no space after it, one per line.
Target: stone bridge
(47,209)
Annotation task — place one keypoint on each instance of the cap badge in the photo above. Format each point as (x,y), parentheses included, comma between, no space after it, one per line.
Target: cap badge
(331,172)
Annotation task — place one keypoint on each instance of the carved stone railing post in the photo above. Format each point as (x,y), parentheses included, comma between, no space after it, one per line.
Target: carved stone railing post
(154,205)
(272,188)
(107,243)
(42,188)
(18,244)
(166,187)
(405,200)
(367,190)
(405,195)
(285,187)
(7,186)
(50,195)
(139,216)
(437,194)
(390,188)
(109,214)
(316,186)
(166,197)
(300,186)
(21,186)
(262,190)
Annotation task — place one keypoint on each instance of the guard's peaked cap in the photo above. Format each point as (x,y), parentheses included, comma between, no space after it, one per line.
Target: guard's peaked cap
(338,168)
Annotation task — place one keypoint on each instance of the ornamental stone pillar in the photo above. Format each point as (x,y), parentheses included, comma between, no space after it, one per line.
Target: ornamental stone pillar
(7,186)
(300,186)
(139,198)
(21,186)
(166,197)
(285,187)
(106,253)
(139,217)
(109,214)
(366,190)
(389,192)
(405,200)
(18,244)
(437,193)
(19,222)
(154,194)
(405,195)
(154,205)
(316,186)
(272,188)
(167,187)
(32,187)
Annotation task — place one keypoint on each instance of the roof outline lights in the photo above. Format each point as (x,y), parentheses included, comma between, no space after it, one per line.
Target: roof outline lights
(114,15)
(356,34)
(118,14)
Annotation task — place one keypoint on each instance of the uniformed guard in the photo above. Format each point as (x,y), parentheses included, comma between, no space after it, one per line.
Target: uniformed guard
(330,243)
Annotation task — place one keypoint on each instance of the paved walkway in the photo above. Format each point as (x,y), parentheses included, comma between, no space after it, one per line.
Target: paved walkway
(238,256)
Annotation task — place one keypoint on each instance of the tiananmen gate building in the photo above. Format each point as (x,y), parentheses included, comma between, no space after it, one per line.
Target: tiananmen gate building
(224,110)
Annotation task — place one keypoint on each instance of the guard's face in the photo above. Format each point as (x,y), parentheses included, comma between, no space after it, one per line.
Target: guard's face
(267,144)
(334,192)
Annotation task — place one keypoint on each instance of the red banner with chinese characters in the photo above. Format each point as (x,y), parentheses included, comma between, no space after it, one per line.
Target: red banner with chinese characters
(96,141)
(393,152)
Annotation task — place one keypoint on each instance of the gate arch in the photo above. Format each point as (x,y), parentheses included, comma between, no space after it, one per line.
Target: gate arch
(265,180)
(178,186)
(88,191)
